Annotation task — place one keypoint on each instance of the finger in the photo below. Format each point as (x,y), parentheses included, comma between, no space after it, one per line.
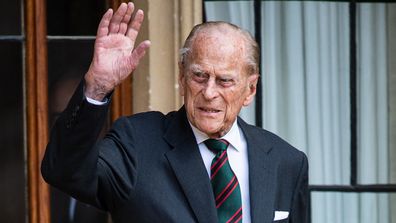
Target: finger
(134,26)
(103,28)
(127,17)
(117,18)
(138,53)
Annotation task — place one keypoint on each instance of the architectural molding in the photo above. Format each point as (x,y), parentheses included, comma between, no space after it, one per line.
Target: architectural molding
(167,24)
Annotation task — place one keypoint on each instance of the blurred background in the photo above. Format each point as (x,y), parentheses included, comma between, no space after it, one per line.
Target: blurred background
(328,86)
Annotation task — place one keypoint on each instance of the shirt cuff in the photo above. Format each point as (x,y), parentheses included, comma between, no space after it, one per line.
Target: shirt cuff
(95,102)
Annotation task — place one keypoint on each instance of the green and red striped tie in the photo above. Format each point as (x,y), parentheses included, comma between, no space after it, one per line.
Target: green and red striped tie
(224,183)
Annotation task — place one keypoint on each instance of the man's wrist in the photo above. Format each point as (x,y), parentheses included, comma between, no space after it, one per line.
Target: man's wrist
(95,89)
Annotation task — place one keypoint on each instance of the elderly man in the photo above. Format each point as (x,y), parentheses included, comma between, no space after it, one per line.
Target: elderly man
(199,164)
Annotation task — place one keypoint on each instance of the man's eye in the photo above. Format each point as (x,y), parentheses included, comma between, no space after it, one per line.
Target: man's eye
(200,77)
(199,74)
(226,82)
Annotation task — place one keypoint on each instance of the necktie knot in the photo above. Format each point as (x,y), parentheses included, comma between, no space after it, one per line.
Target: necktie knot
(216,145)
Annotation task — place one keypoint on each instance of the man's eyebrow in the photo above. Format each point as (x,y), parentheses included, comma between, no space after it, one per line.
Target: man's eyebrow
(195,67)
(227,75)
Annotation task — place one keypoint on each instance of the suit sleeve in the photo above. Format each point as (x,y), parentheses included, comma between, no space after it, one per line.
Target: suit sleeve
(300,204)
(77,164)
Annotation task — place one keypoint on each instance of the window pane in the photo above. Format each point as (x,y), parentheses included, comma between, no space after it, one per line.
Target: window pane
(241,14)
(12,164)
(330,207)
(376,92)
(68,62)
(10,17)
(392,89)
(74,17)
(305,70)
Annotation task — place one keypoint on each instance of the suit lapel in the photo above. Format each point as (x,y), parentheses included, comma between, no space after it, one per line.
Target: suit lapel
(187,164)
(261,174)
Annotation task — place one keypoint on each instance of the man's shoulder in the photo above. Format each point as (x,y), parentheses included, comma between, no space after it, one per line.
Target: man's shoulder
(146,116)
(268,140)
(146,119)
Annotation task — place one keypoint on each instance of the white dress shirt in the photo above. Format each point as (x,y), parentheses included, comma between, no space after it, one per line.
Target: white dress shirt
(96,102)
(238,158)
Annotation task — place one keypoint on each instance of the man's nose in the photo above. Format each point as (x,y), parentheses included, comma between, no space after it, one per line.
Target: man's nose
(210,91)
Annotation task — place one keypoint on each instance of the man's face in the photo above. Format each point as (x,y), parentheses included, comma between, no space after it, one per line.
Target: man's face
(214,82)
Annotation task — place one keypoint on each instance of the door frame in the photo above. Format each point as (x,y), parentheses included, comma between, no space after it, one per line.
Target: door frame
(36,99)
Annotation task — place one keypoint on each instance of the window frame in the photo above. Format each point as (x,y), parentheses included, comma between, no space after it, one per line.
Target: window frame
(34,42)
(354,186)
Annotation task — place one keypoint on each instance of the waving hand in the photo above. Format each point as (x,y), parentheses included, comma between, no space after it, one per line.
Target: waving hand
(115,55)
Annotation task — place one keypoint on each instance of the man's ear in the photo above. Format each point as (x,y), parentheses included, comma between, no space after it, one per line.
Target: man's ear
(181,79)
(252,87)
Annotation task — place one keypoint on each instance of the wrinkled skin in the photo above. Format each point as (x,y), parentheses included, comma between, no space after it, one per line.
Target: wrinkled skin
(115,57)
(214,82)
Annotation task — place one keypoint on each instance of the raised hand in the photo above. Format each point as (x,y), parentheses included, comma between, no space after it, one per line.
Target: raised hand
(114,55)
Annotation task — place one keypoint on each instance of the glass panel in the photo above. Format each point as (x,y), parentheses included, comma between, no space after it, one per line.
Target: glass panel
(74,17)
(376,92)
(68,62)
(10,17)
(392,88)
(241,14)
(12,161)
(330,207)
(305,70)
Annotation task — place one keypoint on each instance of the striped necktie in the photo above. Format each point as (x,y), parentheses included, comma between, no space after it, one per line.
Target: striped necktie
(224,183)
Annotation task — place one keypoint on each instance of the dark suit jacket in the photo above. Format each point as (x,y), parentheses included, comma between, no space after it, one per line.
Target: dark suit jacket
(148,167)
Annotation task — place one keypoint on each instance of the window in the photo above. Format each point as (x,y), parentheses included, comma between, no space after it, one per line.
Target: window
(328,87)
(12,152)
(71,28)
(31,83)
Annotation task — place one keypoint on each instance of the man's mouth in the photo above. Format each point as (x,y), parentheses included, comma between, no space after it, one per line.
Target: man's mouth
(209,110)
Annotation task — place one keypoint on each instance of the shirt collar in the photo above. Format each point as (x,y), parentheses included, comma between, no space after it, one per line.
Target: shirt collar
(233,136)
